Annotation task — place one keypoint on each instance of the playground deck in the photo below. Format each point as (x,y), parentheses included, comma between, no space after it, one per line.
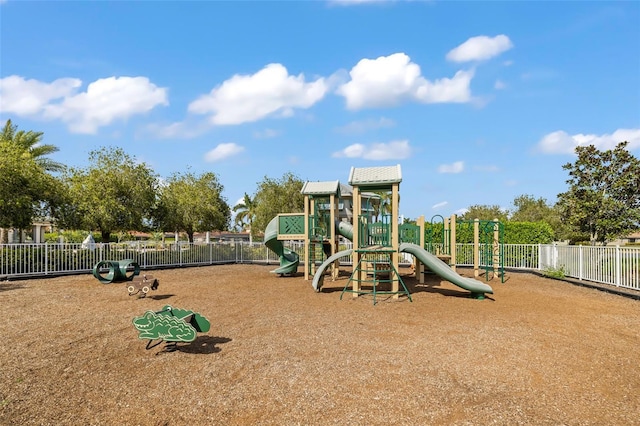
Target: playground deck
(537,351)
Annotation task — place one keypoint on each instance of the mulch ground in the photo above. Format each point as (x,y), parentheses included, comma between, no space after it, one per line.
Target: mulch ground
(538,351)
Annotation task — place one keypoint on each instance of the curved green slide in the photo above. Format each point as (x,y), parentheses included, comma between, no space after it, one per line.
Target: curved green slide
(289,260)
(346,230)
(440,268)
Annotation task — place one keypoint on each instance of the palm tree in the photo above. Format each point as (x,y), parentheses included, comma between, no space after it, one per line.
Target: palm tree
(385,202)
(245,213)
(30,142)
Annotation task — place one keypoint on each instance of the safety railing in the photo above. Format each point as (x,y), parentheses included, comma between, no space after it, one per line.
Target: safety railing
(612,265)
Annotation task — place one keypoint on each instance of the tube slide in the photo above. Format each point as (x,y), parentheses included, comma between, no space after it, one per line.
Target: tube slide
(289,260)
(346,230)
(444,271)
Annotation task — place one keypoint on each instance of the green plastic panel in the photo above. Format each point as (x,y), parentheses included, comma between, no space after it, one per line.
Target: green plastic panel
(171,325)
(291,226)
(116,270)
(409,233)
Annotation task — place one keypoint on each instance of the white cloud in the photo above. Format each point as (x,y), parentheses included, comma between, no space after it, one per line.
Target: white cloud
(390,80)
(480,48)
(266,134)
(394,150)
(247,98)
(560,142)
(29,97)
(362,126)
(461,212)
(456,167)
(222,152)
(499,85)
(106,100)
(441,204)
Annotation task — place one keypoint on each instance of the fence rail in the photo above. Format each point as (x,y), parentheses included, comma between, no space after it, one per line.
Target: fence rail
(617,266)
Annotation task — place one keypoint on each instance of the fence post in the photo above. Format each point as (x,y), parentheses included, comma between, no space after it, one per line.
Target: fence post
(46,259)
(580,263)
(539,257)
(618,265)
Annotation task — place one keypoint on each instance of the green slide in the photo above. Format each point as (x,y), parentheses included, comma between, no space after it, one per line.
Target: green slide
(440,268)
(346,230)
(318,278)
(289,260)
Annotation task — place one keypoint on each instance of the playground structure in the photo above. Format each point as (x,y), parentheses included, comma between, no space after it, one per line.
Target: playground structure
(375,244)
(377,241)
(170,325)
(487,249)
(110,271)
(142,284)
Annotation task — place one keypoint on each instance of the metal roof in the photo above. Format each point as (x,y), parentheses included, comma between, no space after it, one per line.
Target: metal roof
(375,175)
(321,188)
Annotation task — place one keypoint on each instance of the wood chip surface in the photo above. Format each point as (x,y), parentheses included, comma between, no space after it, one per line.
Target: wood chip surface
(537,352)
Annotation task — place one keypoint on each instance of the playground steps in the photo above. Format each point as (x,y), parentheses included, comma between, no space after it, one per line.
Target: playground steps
(378,271)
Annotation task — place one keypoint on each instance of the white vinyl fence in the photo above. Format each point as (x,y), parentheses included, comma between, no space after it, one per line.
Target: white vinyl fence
(616,266)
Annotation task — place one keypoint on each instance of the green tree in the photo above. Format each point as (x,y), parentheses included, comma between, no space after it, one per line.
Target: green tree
(603,198)
(529,209)
(193,203)
(485,212)
(245,214)
(383,204)
(276,196)
(26,190)
(113,193)
(31,142)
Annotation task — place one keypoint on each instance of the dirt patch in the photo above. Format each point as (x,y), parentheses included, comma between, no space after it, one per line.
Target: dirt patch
(539,351)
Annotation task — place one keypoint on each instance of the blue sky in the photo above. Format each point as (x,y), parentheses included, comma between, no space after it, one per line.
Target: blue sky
(479,102)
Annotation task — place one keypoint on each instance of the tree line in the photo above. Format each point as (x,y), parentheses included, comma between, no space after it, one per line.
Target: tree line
(116,193)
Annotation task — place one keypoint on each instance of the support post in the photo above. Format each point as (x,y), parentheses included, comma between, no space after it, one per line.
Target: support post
(453,242)
(307,245)
(419,268)
(476,248)
(333,235)
(496,246)
(357,212)
(395,240)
